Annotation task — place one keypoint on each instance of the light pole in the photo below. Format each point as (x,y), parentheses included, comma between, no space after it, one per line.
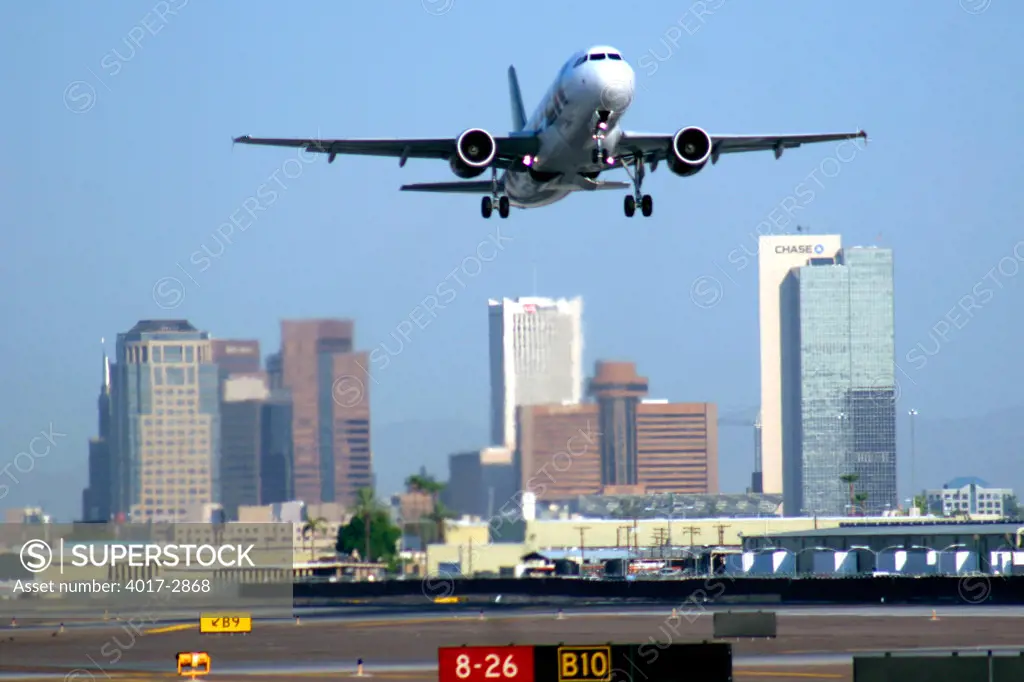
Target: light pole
(913,460)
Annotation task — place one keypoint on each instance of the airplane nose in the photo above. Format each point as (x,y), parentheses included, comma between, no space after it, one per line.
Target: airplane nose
(617,88)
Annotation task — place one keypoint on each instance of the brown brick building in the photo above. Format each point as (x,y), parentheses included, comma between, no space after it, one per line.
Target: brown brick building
(329,386)
(619,444)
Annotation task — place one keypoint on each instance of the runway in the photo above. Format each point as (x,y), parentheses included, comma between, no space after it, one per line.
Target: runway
(812,643)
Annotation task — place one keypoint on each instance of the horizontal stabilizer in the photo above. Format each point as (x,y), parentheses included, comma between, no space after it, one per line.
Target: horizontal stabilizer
(470,187)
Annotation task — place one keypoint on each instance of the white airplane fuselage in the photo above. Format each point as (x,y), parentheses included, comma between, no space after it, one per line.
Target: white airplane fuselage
(565,124)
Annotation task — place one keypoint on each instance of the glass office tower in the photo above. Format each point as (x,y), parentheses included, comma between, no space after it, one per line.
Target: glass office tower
(838,384)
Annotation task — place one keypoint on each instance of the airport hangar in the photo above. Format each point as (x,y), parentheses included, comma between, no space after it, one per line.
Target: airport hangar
(992,547)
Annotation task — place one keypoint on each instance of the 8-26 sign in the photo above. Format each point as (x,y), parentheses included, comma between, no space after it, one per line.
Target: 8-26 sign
(485,664)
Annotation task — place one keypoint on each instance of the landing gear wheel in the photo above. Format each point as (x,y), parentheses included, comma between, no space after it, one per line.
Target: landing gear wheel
(503,207)
(630,206)
(486,206)
(595,156)
(647,205)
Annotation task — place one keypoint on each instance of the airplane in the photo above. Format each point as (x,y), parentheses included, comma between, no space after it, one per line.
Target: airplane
(570,140)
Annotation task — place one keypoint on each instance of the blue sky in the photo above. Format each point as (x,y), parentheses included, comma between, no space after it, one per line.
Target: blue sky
(118,168)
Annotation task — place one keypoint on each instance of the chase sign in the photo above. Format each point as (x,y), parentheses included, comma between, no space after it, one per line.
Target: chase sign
(816,249)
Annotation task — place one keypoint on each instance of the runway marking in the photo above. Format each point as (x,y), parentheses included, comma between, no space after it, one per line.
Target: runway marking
(171,628)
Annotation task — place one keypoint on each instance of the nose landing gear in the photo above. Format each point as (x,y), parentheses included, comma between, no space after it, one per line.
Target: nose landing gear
(645,200)
(487,204)
(600,154)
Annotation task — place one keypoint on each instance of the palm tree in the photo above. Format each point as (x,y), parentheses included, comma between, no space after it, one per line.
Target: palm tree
(860,499)
(850,479)
(365,507)
(311,528)
(425,483)
(438,516)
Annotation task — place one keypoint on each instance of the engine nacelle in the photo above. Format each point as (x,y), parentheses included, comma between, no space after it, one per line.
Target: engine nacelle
(691,149)
(475,149)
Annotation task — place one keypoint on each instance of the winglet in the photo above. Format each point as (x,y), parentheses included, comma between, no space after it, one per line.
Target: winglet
(241,138)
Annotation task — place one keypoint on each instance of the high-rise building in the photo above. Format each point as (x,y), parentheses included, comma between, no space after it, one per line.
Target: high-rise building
(622,444)
(165,424)
(243,387)
(481,482)
(777,255)
(329,386)
(838,384)
(236,356)
(277,478)
(536,357)
(241,411)
(96,498)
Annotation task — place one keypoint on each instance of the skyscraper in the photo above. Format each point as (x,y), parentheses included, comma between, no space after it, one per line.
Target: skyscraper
(96,498)
(243,388)
(329,387)
(838,384)
(777,255)
(165,424)
(536,357)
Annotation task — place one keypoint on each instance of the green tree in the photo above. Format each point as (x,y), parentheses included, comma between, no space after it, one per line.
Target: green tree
(438,518)
(850,480)
(859,499)
(921,502)
(311,529)
(375,534)
(425,483)
(366,509)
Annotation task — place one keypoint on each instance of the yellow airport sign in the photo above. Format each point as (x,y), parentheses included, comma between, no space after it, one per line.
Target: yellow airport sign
(447,600)
(193,664)
(210,623)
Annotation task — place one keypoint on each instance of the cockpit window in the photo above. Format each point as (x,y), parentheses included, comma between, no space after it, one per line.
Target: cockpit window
(612,55)
(595,57)
(580,61)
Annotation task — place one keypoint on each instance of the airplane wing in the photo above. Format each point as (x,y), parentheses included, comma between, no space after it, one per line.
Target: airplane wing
(484,186)
(510,152)
(465,187)
(657,146)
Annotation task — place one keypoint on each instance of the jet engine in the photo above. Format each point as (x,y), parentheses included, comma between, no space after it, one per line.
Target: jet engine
(691,149)
(474,151)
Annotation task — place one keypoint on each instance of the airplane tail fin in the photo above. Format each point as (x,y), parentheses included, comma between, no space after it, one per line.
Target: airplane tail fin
(518,112)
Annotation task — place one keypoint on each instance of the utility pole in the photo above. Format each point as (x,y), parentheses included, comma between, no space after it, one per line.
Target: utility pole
(693,531)
(913,459)
(636,535)
(618,536)
(721,533)
(582,530)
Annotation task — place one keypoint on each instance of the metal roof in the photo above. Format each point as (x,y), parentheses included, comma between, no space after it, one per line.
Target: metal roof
(892,529)
(597,554)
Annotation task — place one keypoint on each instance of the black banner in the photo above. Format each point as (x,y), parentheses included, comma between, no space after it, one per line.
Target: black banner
(662,662)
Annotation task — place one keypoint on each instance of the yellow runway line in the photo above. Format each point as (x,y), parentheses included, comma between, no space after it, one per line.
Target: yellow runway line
(171,628)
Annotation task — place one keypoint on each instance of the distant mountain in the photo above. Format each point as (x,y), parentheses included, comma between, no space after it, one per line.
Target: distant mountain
(401,448)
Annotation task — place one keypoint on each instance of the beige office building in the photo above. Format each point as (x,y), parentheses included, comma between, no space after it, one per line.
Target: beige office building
(777,255)
(165,424)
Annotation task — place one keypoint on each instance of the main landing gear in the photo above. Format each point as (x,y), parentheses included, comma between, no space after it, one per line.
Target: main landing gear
(487,204)
(644,200)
